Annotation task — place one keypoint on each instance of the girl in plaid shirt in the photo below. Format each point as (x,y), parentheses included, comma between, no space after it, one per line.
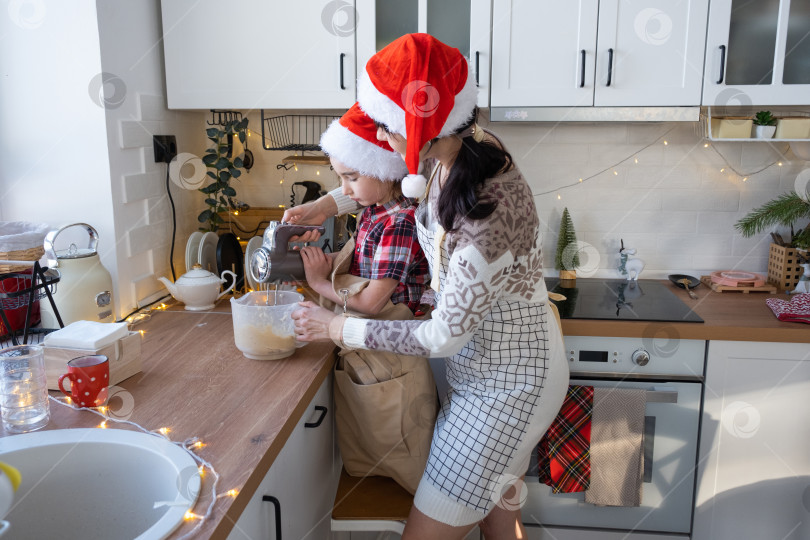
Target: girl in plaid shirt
(381,398)
(386,249)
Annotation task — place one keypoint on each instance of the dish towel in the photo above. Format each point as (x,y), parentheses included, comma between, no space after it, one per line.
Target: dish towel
(563,458)
(617,429)
(797,310)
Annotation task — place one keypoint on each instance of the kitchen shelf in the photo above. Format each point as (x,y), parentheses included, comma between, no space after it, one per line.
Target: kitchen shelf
(706,130)
(296,132)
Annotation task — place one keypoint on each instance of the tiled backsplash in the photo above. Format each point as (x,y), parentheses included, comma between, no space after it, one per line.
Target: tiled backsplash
(657,186)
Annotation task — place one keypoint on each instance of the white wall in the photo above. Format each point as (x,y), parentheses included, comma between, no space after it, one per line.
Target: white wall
(670,201)
(132,55)
(53,144)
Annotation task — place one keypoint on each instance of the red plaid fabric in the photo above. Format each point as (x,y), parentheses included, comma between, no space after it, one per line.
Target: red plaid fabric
(387,247)
(564,451)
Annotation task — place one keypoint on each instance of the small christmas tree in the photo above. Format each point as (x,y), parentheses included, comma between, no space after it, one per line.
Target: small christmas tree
(567,259)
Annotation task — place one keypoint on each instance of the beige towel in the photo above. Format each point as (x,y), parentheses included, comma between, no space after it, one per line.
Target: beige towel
(617,429)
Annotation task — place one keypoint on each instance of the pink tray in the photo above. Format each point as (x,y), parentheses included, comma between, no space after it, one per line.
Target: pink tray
(736,278)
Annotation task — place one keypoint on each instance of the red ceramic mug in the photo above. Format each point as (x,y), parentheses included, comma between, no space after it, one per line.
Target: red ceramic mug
(89,377)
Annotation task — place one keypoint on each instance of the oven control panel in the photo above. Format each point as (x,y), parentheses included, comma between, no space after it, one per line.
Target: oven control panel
(643,356)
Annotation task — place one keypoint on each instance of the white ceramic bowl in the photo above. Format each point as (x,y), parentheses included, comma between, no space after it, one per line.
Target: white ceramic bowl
(263,328)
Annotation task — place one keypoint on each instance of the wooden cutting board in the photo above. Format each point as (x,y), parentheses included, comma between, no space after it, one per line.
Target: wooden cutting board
(716,287)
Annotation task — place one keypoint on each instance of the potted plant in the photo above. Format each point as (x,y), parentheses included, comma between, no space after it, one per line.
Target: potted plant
(223,169)
(785,210)
(764,125)
(567,258)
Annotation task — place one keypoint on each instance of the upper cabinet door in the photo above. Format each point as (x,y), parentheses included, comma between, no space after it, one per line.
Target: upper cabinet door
(543,52)
(464,24)
(757,53)
(277,55)
(650,52)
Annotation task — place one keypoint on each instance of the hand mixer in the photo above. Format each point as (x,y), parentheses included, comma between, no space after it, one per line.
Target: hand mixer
(274,261)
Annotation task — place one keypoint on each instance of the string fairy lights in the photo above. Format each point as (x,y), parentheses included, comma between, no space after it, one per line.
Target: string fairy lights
(744,176)
(188,445)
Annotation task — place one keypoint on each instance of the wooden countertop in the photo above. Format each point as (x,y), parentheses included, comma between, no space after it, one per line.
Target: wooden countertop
(728,316)
(197,383)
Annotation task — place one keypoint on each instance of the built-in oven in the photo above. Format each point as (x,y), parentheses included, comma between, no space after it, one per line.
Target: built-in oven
(671,372)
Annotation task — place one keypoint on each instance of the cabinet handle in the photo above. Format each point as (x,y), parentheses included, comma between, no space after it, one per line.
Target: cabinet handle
(277,505)
(610,67)
(477,60)
(317,422)
(342,86)
(582,69)
(722,64)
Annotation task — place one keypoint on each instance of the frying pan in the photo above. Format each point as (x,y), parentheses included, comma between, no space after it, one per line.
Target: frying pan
(693,282)
(675,278)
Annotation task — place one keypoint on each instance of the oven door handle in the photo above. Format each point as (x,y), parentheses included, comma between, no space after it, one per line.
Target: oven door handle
(662,394)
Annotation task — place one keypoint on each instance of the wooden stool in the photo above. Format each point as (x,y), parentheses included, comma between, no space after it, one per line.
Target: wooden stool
(371,503)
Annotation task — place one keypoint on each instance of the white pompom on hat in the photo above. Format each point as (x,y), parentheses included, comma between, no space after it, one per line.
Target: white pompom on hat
(422,89)
(352,140)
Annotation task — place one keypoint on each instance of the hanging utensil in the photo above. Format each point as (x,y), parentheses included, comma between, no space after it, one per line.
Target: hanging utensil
(247,160)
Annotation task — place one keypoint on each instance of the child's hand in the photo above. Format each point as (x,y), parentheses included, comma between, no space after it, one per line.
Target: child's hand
(317,264)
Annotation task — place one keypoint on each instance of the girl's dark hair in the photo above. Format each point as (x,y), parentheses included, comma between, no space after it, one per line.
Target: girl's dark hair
(475,163)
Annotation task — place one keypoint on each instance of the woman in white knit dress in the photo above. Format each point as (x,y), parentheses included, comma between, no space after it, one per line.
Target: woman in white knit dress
(504,354)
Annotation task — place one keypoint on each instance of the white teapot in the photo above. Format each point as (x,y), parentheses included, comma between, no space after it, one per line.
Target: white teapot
(198,289)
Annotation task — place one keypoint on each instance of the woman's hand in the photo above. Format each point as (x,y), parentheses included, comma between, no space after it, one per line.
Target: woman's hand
(317,264)
(312,322)
(312,213)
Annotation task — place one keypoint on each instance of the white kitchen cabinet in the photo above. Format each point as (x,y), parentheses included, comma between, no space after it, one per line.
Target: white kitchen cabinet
(255,54)
(754,465)
(757,53)
(464,24)
(604,53)
(297,494)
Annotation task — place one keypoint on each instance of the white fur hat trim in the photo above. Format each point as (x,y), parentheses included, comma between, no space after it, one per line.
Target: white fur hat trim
(414,186)
(361,155)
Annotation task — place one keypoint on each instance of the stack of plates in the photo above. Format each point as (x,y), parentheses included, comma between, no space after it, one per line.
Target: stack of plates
(202,249)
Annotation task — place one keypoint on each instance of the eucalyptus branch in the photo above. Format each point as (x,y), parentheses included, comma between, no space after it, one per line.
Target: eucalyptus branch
(222,170)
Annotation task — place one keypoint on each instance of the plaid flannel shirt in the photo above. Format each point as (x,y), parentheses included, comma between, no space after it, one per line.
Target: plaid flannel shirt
(564,458)
(386,246)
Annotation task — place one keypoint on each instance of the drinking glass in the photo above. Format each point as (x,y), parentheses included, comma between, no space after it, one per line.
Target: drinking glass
(23,389)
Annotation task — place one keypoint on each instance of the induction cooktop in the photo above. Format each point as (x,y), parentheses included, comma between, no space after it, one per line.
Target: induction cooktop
(619,299)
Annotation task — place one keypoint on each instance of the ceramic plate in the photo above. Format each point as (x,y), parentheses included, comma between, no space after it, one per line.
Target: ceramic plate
(208,252)
(252,245)
(193,249)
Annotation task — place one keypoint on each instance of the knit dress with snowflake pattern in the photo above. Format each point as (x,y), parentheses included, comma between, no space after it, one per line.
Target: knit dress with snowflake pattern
(503,350)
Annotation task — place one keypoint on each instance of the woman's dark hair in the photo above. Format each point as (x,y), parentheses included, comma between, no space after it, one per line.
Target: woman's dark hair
(475,163)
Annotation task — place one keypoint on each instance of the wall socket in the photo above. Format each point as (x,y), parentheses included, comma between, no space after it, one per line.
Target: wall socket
(165,148)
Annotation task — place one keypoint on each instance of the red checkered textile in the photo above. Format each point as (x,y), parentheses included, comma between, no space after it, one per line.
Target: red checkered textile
(386,246)
(564,451)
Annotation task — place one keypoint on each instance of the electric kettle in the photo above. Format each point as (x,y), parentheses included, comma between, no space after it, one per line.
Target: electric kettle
(84,291)
(274,260)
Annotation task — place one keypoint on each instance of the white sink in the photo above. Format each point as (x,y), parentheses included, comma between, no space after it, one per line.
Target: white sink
(98,484)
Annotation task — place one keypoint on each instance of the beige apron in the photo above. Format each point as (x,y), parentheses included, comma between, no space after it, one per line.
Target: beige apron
(385,403)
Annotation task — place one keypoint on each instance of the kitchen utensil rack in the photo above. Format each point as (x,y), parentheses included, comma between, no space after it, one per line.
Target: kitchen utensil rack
(221,117)
(296,132)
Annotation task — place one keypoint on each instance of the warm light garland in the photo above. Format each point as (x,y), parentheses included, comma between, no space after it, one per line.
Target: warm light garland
(634,156)
(186,445)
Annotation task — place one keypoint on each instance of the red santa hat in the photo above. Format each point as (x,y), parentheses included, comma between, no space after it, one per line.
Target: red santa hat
(352,140)
(422,89)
